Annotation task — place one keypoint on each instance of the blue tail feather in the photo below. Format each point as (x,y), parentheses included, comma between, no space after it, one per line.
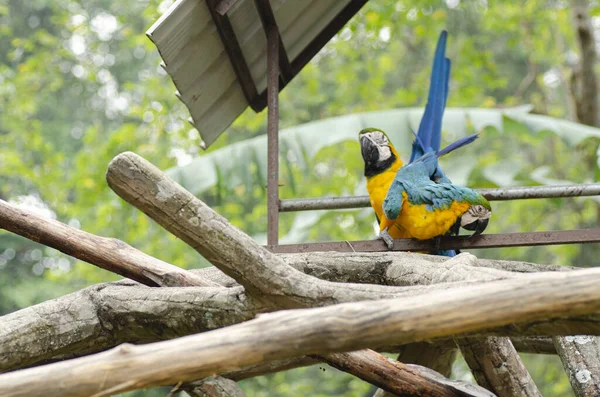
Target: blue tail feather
(426,146)
(430,129)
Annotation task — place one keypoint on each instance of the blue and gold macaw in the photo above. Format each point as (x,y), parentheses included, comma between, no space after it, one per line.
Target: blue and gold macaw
(382,162)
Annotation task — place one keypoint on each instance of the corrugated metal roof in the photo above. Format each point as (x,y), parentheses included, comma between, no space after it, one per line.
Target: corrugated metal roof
(195,56)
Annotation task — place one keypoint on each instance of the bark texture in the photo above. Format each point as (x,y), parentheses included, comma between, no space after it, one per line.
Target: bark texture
(496,366)
(335,328)
(215,386)
(416,380)
(100,251)
(580,355)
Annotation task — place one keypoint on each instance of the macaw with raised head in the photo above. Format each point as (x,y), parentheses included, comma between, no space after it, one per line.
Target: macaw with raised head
(426,209)
(382,161)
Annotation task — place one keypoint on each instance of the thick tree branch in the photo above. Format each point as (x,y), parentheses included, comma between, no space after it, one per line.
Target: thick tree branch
(102,329)
(263,274)
(100,251)
(416,380)
(438,356)
(580,356)
(497,367)
(259,271)
(316,331)
(584,84)
(104,315)
(214,386)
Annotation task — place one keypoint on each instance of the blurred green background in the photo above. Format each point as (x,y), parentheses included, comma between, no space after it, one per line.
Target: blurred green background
(80,83)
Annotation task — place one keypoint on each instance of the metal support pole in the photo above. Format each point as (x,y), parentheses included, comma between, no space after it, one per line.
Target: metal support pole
(273,136)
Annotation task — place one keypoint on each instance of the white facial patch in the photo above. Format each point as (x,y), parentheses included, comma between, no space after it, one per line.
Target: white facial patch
(475,213)
(384,152)
(382,144)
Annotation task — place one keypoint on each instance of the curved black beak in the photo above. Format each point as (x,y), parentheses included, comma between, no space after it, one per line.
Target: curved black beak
(369,151)
(478,226)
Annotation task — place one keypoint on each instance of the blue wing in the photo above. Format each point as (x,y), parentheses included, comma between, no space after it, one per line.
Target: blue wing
(434,196)
(393,200)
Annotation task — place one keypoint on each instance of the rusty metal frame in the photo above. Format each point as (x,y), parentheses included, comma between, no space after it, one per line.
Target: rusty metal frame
(267,17)
(280,71)
(460,242)
(273,43)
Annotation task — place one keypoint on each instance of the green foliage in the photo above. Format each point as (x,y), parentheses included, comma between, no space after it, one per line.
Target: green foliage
(80,84)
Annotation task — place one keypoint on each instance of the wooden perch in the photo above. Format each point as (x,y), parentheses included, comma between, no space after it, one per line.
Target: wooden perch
(282,268)
(90,320)
(419,381)
(580,356)
(145,187)
(500,370)
(214,386)
(102,316)
(438,356)
(262,273)
(108,253)
(334,328)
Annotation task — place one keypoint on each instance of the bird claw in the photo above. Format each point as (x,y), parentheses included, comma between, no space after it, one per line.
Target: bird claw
(385,236)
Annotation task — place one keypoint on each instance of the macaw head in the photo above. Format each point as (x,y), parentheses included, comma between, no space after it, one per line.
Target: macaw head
(477,216)
(377,151)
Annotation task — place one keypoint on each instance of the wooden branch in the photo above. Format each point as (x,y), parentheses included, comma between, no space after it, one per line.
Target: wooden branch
(262,273)
(401,268)
(215,386)
(580,356)
(438,356)
(584,83)
(496,366)
(91,320)
(533,344)
(334,328)
(414,380)
(144,186)
(102,316)
(511,378)
(100,251)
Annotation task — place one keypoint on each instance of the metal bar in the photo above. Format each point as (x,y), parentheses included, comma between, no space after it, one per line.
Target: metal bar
(236,56)
(273,136)
(223,6)
(501,194)
(267,18)
(459,242)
